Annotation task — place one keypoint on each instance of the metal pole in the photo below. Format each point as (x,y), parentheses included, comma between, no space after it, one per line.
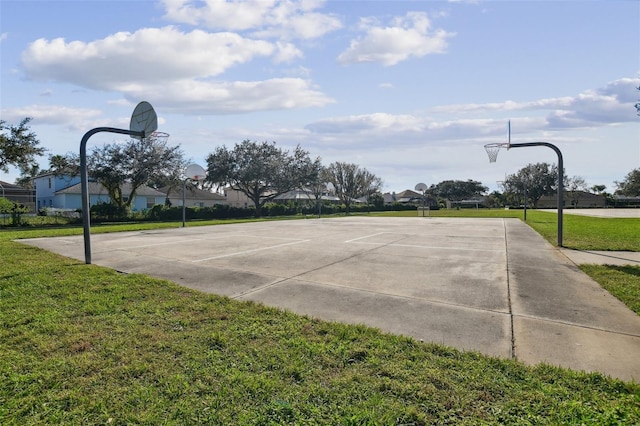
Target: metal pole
(525,201)
(184,211)
(560,180)
(84,183)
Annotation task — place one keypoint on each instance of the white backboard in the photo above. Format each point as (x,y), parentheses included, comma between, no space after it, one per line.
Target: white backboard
(421,187)
(195,172)
(144,119)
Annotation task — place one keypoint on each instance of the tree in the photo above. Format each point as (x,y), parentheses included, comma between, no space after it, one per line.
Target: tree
(574,185)
(630,186)
(457,190)
(371,184)
(137,162)
(320,187)
(598,189)
(64,165)
(19,147)
(26,176)
(350,182)
(539,179)
(261,170)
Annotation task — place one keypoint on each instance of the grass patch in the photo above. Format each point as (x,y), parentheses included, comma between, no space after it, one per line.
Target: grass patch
(82,344)
(579,232)
(621,281)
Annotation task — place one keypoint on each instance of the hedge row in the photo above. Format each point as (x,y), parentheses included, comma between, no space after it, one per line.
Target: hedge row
(108,212)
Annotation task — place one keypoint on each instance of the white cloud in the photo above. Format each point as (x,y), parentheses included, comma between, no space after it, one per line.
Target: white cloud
(200,97)
(53,115)
(148,55)
(174,69)
(266,18)
(4,36)
(612,103)
(287,52)
(406,37)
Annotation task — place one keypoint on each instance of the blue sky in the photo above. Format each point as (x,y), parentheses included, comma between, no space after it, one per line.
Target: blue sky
(411,90)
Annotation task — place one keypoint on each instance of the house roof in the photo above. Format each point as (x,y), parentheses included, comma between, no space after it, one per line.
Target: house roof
(407,193)
(7,185)
(97,188)
(191,193)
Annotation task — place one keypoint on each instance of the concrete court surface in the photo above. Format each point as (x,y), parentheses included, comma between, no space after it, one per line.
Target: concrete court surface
(488,285)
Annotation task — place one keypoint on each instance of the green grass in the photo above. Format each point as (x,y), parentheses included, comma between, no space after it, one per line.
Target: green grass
(81,344)
(579,232)
(621,281)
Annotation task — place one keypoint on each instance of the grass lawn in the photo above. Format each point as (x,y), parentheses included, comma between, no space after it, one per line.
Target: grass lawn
(82,344)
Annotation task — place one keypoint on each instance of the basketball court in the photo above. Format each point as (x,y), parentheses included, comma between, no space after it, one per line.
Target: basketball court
(488,285)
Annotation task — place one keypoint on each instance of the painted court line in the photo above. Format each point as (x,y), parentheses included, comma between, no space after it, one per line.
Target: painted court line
(248,251)
(424,247)
(366,236)
(357,241)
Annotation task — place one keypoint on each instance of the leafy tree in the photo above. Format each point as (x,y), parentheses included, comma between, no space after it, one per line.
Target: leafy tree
(26,176)
(371,184)
(574,185)
(320,186)
(137,162)
(61,165)
(351,182)
(539,179)
(19,147)
(457,190)
(630,186)
(598,189)
(261,170)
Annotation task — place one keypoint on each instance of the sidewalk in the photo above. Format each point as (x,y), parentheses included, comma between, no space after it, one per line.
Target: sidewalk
(580,257)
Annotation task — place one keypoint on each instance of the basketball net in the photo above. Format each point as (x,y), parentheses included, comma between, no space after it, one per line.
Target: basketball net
(160,137)
(492,150)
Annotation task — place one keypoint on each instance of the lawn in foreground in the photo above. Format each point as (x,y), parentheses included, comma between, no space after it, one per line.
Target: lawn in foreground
(85,344)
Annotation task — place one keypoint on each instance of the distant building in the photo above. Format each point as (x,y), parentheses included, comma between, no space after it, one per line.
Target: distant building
(574,199)
(65,192)
(237,198)
(625,201)
(18,195)
(193,197)
(409,197)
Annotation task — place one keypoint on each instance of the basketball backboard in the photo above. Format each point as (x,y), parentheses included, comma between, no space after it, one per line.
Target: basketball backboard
(421,187)
(143,119)
(195,172)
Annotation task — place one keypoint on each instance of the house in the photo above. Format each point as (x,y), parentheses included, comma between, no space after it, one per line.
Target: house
(237,198)
(18,195)
(304,195)
(625,201)
(65,192)
(46,186)
(193,197)
(575,199)
(409,197)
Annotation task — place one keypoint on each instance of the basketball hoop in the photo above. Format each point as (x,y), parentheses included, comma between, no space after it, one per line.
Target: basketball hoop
(493,149)
(160,137)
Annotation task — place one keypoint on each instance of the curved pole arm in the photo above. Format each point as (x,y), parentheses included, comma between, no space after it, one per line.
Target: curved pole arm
(84,182)
(560,179)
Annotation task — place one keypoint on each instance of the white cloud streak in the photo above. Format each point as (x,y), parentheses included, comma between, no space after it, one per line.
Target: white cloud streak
(406,37)
(265,18)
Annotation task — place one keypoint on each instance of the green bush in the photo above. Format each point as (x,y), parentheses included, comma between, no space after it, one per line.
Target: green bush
(14,209)
(108,212)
